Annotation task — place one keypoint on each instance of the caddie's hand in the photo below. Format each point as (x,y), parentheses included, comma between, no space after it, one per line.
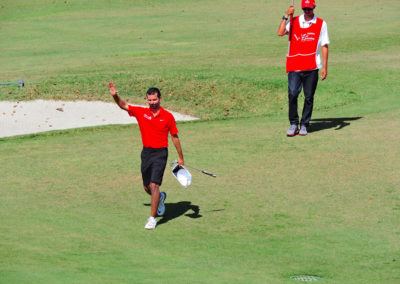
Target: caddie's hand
(113,91)
(290,11)
(181,162)
(324,73)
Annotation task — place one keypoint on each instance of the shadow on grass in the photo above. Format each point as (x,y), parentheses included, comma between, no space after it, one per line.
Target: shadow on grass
(327,123)
(175,210)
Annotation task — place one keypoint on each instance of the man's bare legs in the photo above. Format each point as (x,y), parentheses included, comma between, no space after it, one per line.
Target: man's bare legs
(153,189)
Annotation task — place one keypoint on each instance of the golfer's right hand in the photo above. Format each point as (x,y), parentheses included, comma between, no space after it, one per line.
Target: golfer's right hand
(290,11)
(113,91)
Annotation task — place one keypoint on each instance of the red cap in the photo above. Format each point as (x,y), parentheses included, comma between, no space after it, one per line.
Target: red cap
(307,4)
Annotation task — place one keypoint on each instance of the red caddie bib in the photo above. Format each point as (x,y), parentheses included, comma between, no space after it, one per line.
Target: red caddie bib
(303,46)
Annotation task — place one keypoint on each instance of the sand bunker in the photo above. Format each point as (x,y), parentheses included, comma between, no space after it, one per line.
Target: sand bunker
(27,117)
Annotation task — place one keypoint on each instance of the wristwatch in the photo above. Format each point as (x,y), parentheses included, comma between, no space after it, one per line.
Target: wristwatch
(285,18)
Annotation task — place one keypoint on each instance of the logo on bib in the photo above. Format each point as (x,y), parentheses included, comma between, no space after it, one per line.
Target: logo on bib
(306,37)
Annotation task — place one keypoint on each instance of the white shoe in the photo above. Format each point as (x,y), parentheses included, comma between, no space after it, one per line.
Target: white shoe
(151,223)
(161,205)
(303,130)
(293,130)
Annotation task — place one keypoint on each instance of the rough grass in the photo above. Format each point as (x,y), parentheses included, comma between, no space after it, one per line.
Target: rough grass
(209,61)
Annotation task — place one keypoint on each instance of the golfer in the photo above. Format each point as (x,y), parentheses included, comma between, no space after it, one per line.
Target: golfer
(307,34)
(154,123)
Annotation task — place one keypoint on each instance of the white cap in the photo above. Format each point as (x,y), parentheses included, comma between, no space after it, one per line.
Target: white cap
(182,175)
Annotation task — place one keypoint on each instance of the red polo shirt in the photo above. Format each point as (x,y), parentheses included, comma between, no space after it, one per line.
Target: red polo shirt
(154,130)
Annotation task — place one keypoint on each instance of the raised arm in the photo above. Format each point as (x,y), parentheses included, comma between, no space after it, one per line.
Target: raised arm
(177,144)
(282,27)
(120,102)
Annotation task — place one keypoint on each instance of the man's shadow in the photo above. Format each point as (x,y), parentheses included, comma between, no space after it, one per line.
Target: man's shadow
(326,123)
(174,210)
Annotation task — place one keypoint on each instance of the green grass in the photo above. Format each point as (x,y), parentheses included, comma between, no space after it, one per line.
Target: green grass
(209,61)
(327,205)
(72,205)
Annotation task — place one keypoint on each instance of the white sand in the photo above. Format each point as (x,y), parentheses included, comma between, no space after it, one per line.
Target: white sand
(17,118)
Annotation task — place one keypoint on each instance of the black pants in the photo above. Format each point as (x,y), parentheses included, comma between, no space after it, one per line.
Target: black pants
(306,80)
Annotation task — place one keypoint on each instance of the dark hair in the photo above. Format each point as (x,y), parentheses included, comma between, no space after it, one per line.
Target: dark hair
(153,91)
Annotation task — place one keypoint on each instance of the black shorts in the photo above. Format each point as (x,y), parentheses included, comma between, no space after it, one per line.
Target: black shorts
(153,165)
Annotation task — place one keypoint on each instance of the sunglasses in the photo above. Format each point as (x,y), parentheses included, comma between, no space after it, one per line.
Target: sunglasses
(307,9)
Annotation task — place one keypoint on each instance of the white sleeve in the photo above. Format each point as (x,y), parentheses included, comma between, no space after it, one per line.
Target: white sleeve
(324,37)
(287,26)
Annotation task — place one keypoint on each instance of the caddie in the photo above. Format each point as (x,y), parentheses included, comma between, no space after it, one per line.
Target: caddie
(307,36)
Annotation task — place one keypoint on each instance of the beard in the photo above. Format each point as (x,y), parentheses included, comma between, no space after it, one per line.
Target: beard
(154,106)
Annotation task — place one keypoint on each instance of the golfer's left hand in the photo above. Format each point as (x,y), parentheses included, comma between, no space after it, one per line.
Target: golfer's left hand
(181,162)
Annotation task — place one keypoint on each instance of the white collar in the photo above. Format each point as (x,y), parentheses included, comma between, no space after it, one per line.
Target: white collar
(302,20)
